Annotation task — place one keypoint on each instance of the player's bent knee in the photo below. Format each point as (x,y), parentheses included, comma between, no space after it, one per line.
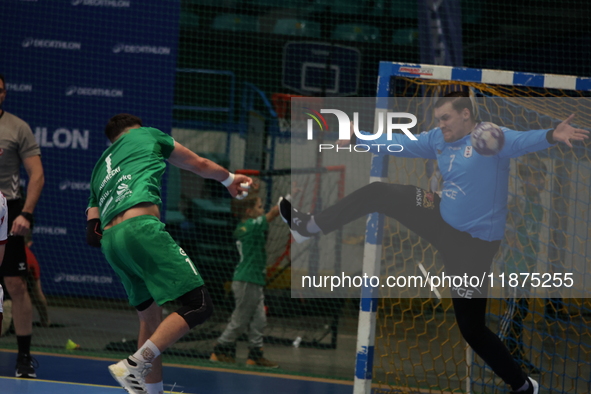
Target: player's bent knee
(197,306)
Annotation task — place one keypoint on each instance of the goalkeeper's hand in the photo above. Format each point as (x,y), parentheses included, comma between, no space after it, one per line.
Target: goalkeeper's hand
(566,133)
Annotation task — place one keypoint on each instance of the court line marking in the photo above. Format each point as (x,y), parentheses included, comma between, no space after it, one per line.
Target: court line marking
(60,382)
(236,371)
(198,367)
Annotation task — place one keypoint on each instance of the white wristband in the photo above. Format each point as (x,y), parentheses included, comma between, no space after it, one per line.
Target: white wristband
(228,180)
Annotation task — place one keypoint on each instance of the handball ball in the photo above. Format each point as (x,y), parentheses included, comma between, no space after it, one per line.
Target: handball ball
(487,139)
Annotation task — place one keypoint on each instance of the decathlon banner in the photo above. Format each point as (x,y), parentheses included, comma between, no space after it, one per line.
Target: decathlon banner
(69,66)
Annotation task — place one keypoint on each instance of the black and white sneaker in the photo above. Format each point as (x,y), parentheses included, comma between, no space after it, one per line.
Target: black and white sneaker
(25,366)
(534,388)
(131,373)
(295,219)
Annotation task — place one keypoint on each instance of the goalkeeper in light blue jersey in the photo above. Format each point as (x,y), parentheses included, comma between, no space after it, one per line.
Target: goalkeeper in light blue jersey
(465,222)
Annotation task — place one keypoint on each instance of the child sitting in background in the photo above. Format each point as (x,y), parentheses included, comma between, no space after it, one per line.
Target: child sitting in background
(248,284)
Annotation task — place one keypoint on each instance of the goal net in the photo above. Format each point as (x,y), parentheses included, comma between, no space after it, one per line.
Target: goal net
(418,347)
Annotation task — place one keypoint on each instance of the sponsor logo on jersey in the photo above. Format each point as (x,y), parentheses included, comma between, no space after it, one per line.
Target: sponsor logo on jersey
(122,188)
(123,191)
(468,151)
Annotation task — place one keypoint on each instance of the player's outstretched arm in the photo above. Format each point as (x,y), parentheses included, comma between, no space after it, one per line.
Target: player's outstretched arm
(564,132)
(188,160)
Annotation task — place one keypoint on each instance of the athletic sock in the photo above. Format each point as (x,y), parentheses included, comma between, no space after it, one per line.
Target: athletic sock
(312,227)
(155,388)
(148,352)
(24,343)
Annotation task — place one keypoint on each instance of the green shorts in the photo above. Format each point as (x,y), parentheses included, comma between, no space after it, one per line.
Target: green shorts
(148,261)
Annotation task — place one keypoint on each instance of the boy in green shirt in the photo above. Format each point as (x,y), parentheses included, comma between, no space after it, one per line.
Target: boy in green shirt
(248,284)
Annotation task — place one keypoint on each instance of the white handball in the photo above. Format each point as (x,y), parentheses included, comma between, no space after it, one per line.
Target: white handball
(243,195)
(487,139)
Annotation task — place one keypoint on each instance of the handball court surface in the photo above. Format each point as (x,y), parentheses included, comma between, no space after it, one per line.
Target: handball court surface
(82,375)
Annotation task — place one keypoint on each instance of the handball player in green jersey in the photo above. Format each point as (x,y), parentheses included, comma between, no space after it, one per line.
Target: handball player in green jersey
(124,220)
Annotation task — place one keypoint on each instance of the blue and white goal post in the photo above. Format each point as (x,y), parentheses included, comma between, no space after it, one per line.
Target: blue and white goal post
(379,172)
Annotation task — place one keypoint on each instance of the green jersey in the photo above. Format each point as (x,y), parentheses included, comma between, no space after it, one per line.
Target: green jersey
(251,240)
(129,172)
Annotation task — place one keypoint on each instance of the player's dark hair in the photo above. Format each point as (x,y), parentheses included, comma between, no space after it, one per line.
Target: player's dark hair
(120,122)
(2,79)
(459,100)
(239,207)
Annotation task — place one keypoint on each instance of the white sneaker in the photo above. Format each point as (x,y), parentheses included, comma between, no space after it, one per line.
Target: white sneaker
(130,374)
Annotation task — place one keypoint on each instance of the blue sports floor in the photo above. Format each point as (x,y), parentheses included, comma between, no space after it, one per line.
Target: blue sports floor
(81,375)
